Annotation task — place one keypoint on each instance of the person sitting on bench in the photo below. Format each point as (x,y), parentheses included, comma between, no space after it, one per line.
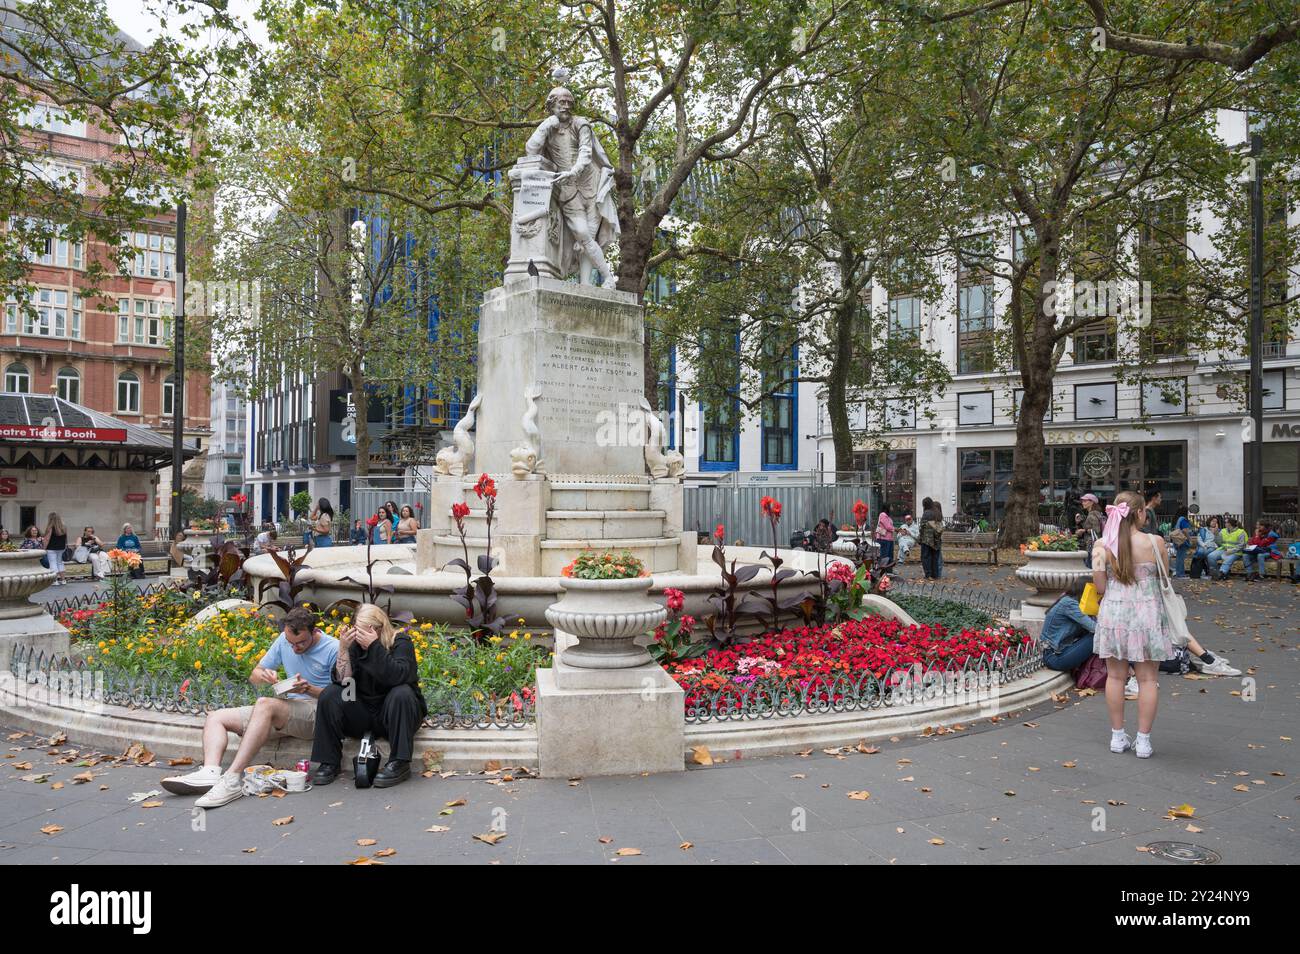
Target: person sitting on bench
(376,689)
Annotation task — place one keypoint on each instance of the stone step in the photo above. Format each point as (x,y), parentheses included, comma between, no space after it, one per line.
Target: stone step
(599,496)
(604,524)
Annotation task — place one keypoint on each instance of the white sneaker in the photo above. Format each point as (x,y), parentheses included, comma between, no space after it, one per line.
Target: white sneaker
(1143,746)
(227,788)
(1131,687)
(1120,743)
(1219,667)
(195,783)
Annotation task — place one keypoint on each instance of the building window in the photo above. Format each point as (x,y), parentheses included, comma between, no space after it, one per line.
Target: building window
(1163,263)
(905,317)
(150,255)
(900,414)
(975,409)
(781,374)
(1164,397)
(667,391)
(52,119)
(69,385)
(18,380)
(974,306)
(719,411)
(1095,342)
(1094,402)
(128,393)
(47,315)
(169,396)
(144,321)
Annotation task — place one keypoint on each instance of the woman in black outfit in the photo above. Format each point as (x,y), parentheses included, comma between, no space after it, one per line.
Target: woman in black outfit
(377,665)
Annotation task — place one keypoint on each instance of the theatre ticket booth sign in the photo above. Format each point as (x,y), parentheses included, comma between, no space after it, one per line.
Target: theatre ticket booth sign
(90,468)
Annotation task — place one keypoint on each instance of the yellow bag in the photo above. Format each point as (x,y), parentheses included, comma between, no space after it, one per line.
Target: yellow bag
(1090,601)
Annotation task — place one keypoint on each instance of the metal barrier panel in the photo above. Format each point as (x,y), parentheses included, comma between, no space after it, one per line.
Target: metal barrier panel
(802,506)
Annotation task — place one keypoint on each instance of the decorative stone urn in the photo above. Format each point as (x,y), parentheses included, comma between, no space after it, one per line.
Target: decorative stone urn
(21,575)
(606,616)
(1049,572)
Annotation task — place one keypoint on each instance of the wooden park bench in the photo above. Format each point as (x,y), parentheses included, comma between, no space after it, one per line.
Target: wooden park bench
(982,547)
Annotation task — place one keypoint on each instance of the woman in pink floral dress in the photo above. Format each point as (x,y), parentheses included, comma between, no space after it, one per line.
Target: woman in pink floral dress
(1131,625)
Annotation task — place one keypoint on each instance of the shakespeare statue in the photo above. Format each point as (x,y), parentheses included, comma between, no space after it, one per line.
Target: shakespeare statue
(581,186)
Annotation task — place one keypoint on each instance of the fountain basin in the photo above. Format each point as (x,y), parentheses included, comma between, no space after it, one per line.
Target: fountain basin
(520,598)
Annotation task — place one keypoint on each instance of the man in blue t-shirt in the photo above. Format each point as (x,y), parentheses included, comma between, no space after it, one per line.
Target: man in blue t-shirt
(306,655)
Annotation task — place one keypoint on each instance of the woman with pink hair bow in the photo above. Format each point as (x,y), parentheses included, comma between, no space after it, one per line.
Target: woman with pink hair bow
(1132,627)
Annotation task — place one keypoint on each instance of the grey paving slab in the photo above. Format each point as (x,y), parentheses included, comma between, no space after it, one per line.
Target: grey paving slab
(781,810)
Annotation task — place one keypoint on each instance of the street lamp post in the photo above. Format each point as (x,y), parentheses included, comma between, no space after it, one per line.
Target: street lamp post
(178,385)
(1255,447)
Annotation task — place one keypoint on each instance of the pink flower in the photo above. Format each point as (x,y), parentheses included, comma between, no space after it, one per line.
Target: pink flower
(675,599)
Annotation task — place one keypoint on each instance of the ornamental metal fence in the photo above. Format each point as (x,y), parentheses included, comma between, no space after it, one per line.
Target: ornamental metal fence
(74,682)
(87,600)
(992,601)
(976,681)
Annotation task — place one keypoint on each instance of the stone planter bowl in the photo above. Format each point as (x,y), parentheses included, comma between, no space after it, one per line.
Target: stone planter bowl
(1049,573)
(21,575)
(606,616)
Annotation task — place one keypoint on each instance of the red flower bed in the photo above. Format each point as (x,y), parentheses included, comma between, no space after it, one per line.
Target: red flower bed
(820,660)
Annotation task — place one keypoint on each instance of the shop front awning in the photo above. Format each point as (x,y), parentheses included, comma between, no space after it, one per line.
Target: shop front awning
(51,433)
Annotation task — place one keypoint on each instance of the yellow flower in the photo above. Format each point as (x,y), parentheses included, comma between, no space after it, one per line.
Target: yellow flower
(198,664)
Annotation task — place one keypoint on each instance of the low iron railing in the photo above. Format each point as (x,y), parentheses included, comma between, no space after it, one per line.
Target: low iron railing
(975,681)
(991,601)
(73,681)
(86,600)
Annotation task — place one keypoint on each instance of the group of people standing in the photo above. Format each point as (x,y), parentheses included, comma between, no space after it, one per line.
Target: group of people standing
(392,524)
(928,533)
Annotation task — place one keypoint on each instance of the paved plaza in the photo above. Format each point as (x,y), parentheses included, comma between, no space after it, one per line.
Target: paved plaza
(1040,787)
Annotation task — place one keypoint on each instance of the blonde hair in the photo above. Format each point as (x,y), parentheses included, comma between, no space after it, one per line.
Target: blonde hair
(55,524)
(372,615)
(1125,563)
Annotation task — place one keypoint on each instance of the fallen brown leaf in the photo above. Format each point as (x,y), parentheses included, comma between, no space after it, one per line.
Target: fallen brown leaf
(491,837)
(51,829)
(628,852)
(701,755)
(286,820)
(860,796)
(185,760)
(385,852)
(367,842)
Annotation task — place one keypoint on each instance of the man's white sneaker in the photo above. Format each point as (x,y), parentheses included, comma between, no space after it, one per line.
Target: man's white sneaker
(1131,687)
(228,788)
(195,783)
(1143,746)
(1120,743)
(1219,667)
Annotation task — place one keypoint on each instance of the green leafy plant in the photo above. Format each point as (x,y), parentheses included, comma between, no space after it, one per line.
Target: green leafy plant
(595,565)
(300,503)
(951,615)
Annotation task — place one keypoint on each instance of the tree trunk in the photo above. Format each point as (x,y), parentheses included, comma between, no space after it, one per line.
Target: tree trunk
(633,254)
(837,389)
(361,401)
(1037,376)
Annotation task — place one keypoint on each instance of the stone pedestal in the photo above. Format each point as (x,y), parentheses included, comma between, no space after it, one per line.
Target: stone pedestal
(537,227)
(578,347)
(608,721)
(24,622)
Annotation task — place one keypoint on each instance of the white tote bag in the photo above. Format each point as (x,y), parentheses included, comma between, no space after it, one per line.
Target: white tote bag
(1175,606)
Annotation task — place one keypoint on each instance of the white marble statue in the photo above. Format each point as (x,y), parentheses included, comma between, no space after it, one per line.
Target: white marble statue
(583,185)
(456,459)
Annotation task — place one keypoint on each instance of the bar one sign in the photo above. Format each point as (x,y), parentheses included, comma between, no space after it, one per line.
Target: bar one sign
(57,432)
